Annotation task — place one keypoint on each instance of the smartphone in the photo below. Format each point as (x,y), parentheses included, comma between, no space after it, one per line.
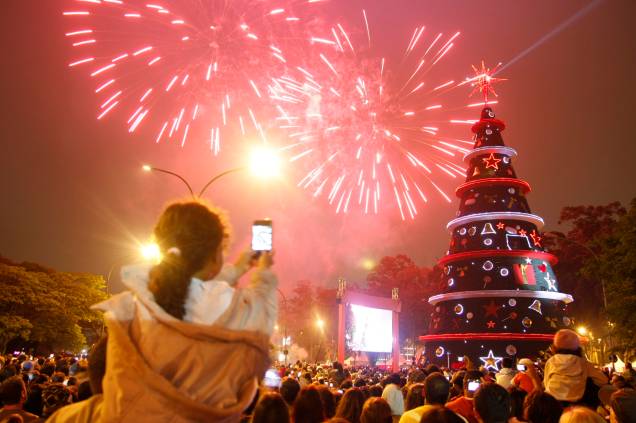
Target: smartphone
(521,367)
(262,235)
(473,385)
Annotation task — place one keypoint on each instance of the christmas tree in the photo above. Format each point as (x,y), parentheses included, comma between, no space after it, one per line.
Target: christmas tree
(499,293)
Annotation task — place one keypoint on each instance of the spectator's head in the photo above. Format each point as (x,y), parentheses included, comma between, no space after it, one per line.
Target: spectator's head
(416,376)
(618,381)
(581,415)
(359,383)
(97,365)
(492,404)
(346,385)
(191,240)
(393,378)
(58,377)
(541,407)
(567,341)
(432,368)
(48,369)
(628,365)
(506,363)
(517,396)
(13,391)
(350,405)
(375,391)
(54,397)
(623,406)
(414,396)
(472,380)
(308,406)
(27,366)
(289,390)
(376,410)
(436,389)
(328,401)
(270,408)
(439,414)
(84,391)
(72,381)
(338,367)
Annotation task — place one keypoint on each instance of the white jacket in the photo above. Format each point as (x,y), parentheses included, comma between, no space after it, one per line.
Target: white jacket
(208,300)
(505,376)
(566,374)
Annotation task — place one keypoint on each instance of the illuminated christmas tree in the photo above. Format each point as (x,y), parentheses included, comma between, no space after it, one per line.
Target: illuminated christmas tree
(499,293)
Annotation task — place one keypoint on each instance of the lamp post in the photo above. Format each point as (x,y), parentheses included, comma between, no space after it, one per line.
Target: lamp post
(263,162)
(149,168)
(285,346)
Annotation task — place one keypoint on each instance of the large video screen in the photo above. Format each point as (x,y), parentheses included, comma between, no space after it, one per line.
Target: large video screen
(371,330)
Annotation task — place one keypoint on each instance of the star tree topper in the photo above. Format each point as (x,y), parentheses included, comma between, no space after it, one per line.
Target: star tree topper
(483,80)
(490,361)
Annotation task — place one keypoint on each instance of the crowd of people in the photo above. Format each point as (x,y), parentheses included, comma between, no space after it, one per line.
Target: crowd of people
(186,344)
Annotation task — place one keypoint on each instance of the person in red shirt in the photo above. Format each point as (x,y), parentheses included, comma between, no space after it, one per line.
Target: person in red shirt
(522,379)
(464,404)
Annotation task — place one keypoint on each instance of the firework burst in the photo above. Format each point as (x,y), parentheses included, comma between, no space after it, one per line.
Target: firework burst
(182,68)
(368,129)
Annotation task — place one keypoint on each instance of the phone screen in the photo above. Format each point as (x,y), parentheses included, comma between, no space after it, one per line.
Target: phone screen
(521,367)
(262,235)
(473,385)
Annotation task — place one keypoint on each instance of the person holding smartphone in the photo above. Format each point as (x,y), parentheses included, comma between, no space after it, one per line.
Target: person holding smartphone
(522,379)
(185,343)
(473,379)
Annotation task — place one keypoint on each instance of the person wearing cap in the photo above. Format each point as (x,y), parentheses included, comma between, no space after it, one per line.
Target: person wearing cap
(567,371)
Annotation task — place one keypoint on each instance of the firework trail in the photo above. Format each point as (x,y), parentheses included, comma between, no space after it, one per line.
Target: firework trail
(368,129)
(183,68)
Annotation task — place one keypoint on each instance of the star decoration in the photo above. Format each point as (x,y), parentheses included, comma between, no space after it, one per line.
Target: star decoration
(500,225)
(528,260)
(491,161)
(522,232)
(536,239)
(490,324)
(491,309)
(491,362)
(483,80)
(551,283)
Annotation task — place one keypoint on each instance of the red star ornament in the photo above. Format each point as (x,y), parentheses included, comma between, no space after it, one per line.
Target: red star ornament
(500,225)
(490,324)
(492,161)
(522,232)
(536,239)
(491,309)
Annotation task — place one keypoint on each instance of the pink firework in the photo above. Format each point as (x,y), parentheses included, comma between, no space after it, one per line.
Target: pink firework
(369,130)
(182,68)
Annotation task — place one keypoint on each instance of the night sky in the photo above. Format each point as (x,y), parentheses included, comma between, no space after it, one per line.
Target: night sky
(74,197)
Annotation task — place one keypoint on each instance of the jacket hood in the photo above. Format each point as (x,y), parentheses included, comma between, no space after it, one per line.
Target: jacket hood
(568,364)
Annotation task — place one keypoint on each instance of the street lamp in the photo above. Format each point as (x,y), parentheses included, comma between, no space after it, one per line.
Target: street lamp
(285,349)
(582,330)
(264,162)
(320,323)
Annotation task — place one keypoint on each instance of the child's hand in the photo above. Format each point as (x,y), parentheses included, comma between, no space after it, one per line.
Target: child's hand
(265,260)
(244,262)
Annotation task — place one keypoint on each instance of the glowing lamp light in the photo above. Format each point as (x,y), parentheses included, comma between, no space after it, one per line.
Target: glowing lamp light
(151,252)
(146,168)
(582,330)
(264,162)
(368,264)
(320,323)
